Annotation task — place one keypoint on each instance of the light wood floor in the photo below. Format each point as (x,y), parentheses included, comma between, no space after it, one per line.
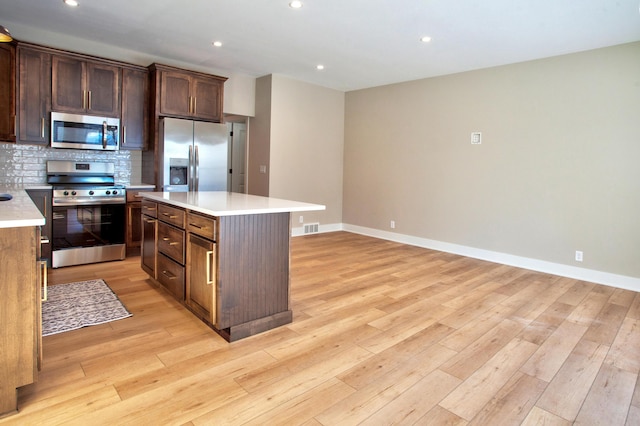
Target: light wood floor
(383,333)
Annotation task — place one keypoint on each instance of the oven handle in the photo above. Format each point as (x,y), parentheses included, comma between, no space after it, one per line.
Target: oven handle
(65,202)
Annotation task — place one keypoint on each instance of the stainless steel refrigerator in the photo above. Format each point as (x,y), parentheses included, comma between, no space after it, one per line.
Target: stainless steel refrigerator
(195,155)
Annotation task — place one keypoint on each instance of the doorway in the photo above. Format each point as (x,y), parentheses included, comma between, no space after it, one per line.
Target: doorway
(237,156)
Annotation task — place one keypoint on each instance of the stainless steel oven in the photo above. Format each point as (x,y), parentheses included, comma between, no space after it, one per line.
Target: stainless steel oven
(89,212)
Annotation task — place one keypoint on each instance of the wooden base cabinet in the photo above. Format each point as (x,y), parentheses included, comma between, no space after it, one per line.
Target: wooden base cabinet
(201,278)
(20,304)
(149,237)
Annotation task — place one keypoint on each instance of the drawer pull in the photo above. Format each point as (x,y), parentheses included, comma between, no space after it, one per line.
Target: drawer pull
(149,208)
(197,226)
(171,243)
(168,275)
(209,272)
(149,220)
(43,265)
(170,216)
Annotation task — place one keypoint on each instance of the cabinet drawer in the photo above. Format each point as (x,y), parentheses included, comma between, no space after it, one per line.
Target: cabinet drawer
(172,215)
(171,276)
(171,241)
(204,226)
(132,195)
(150,208)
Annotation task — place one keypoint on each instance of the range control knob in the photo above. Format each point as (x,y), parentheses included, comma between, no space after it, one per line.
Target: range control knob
(108,192)
(73,192)
(91,192)
(115,192)
(65,193)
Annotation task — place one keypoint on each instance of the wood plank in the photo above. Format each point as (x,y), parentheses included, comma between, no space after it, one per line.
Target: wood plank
(608,400)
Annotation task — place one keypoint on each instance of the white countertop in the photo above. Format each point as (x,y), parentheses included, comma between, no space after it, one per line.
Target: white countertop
(219,203)
(19,211)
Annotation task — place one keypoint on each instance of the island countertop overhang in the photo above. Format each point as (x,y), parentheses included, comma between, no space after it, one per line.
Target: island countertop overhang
(221,203)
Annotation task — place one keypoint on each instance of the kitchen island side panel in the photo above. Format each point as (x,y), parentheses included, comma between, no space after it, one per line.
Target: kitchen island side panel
(253,267)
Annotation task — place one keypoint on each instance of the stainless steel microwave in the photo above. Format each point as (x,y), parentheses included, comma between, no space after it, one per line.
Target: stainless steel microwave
(84,132)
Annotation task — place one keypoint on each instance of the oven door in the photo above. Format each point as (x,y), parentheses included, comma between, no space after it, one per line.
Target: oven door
(84,132)
(87,234)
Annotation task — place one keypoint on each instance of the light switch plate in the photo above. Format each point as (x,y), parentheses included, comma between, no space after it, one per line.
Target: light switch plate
(476,138)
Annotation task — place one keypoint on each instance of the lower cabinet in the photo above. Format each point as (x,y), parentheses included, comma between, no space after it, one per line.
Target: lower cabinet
(149,238)
(201,278)
(134,221)
(20,313)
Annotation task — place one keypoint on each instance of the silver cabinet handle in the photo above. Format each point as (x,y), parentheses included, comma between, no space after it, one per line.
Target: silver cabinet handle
(42,127)
(89,99)
(124,135)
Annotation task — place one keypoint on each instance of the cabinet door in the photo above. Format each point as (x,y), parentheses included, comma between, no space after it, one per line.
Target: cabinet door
(175,94)
(201,281)
(103,89)
(34,100)
(68,85)
(7,92)
(206,101)
(135,93)
(134,227)
(148,247)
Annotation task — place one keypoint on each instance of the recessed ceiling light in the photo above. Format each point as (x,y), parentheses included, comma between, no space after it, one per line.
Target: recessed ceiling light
(320,67)
(425,39)
(295,4)
(72,3)
(217,43)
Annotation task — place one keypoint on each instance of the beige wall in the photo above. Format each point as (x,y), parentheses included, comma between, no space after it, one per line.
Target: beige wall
(303,126)
(259,140)
(558,169)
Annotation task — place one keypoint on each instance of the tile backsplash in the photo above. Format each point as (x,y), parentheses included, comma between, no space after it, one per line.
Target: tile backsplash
(27,164)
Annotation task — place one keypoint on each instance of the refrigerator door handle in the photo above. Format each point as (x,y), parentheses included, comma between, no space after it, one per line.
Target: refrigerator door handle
(190,177)
(197,170)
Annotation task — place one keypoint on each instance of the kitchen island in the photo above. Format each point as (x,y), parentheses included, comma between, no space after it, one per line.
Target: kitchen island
(224,255)
(20,303)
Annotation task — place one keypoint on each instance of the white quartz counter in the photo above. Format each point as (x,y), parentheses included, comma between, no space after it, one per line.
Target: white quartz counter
(218,203)
(19,211)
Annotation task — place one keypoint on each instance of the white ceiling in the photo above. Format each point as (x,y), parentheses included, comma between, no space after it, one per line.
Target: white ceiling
(361,43)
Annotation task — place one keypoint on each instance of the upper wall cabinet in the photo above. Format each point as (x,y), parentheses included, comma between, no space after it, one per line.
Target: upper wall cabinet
(7,92)
(188,94)
(34,95)
(135,111)
(85,87)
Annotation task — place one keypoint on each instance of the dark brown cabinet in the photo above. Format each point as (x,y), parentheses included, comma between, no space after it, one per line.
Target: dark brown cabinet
(34,95)
(188,94)
(135,111)
(201,268)
(134,222)
(85,87)
(149,237)
(7,92)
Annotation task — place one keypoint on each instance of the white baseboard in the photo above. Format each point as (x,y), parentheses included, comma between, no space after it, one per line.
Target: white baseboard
(590,275)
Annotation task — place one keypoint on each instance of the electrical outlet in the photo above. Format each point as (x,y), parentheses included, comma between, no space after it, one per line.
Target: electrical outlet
(578,256)
(392,224)
(301,220)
